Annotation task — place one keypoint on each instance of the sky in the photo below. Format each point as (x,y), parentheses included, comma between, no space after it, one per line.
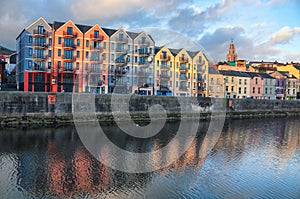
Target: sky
(265,30)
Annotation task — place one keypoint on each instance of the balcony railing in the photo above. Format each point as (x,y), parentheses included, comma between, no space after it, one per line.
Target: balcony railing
(183,60)
(96,37)
(163,67)
(164,76)
(144,43)
(182,78)
(69,58)
(67,69)
(39,45)
(121,51)
(69,46)
(37,33)
(70,35)
(183,88)
(120,61)
(165,58)
(143,64)
(182,69)
(121,40)
(144,54)
(97,48)
(96,60)
(39,57)
(39,68)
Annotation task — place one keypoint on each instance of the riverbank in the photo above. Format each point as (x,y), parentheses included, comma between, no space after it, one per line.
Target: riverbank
(18,109)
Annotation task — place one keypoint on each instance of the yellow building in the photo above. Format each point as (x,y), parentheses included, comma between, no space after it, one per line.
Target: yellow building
(163,71)
(183,73)
(216,84)
(230,84)
(200,74)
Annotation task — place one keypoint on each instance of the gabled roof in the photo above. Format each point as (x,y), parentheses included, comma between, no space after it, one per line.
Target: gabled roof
(5,51)
(157,49)
(83,28)
(265,76)
(132,35)
(109,31)
(174,51)
(192,54)
(57,25)
(234,73)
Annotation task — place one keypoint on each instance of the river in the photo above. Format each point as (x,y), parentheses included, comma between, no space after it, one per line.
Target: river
(253,158)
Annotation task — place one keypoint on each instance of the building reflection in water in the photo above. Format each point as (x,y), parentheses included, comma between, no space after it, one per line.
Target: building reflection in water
(53,162)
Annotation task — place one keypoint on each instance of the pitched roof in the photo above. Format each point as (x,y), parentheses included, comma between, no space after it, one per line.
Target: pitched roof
(157,49)
(265,76)
(132,35)
(5,51)
(83,28)
(57,24)
(297,67)
(211,70)
(174,51)
(109,31)
(230,63)
(234,73)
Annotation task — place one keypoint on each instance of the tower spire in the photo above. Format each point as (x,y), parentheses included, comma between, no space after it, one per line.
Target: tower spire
(231,56)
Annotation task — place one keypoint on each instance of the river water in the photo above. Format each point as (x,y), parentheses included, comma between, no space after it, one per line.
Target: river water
(253,158)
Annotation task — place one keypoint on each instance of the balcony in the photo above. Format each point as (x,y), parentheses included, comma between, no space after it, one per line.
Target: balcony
(144,54)
(96,61)
(38,57)
(39,45)
(183,69)
(39,68)
(121,51)
(120,72)
(97,48)
(144,43)
(165,58)
(182,78)
(69,35)
(143,64)
(183,88)
(120,62)
(68,46)
(69,58)
(37,33)
(66,70)
(164,76)
(122,40)
(96,37)
(164,67)
(183,60)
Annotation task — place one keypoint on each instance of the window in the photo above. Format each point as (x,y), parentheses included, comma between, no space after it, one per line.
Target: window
(171,84)
(211,80)
(176,74)
(226,79)
(253,90)
(96,34)
(50,42)
(256,80)
(59,52)
(49,65)
(59,40)
(78,42)
(112,46)
(30,39)
(240,90)
(245,90)
(232,88)
(30,52)
(69,30)
(104,45)
(87,43)
(77,66)
(245,81)
(266,91)
(49,53)
(218,80)
(78,54)
(227,88)
(240,81)
(40,29)
(128,48)
(232,79)
(87,55)
(171,74)
(211,89)
(29,64)
(176,84)
(258,90)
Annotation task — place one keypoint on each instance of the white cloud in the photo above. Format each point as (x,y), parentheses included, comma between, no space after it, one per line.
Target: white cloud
(284,35)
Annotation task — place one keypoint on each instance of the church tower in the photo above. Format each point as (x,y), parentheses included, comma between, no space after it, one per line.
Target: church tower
(231,56)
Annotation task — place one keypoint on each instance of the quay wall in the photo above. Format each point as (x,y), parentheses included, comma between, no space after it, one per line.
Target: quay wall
(39,109)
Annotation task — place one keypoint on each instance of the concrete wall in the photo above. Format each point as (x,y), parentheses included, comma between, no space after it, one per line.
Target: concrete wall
(18,108)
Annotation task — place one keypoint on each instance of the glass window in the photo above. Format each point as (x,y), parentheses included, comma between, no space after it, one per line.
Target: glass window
(30,39)
(30,52)
(86,54)
(50,42)
(78,42)
(49,65)
(78,54)
(29,64)
(87,43)
(49,53)
(59,52)
(69,30)
(59,40)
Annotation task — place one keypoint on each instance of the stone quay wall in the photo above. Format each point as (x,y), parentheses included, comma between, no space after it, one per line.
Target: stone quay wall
(43,109)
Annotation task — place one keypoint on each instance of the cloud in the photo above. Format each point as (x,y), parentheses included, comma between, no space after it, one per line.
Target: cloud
(284,35)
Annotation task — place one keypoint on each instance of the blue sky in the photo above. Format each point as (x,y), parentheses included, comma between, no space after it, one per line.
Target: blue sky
(261,29)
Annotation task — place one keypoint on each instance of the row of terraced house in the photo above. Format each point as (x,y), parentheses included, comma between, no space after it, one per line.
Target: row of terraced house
(68,57)
(259,80)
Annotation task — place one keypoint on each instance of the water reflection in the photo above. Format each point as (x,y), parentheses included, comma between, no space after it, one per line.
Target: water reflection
(258,157)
